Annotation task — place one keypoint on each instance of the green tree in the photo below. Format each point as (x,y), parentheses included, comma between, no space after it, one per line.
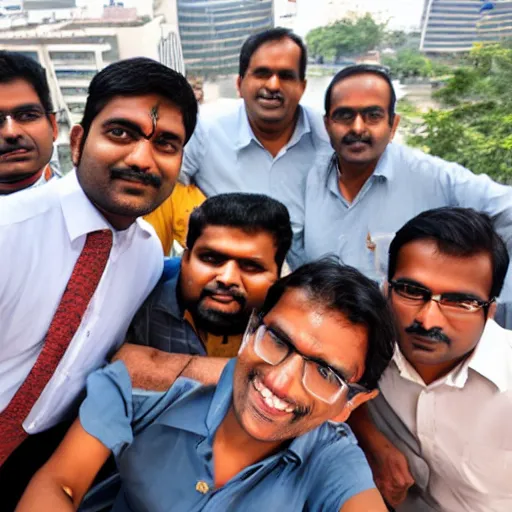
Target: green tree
(345,38)
(475,126)
(408,63)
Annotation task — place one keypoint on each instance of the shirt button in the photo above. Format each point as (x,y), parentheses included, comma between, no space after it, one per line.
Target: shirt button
(202,487)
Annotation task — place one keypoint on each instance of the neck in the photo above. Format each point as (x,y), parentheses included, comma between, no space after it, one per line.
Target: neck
(118,222)
(431,373)
(234,450)
(274,137)
(352,177)
(16,186)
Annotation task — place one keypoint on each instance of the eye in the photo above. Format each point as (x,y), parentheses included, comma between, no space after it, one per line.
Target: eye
(343,116)
(279,343)
(28,116)
(249,266)
(410,291)
(326,373)
(167,146)
(375,116)
(262,73)
(211,259)
(119,133)
(465,304)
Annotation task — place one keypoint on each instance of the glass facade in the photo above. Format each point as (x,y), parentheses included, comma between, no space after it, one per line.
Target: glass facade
(213,31)
(454,26)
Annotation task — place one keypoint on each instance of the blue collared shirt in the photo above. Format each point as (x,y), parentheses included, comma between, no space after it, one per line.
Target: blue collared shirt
(405,182)
(163,444)
(224,155)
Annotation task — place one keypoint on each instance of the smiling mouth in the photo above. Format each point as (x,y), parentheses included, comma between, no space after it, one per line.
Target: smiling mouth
(274,405)
(270,102)
(14,154)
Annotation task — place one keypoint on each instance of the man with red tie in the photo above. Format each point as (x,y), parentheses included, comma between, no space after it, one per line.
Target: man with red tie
(61,320)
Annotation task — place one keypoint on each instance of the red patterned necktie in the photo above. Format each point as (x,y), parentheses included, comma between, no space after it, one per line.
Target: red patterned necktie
(77,295)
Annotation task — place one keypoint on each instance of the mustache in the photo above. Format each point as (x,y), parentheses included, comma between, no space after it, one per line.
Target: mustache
(8,148)
(218,289)
(352,138)
(270,95)
(136,175)
(434,334)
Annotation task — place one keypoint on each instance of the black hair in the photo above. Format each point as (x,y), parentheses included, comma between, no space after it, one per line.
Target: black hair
(459,232)
(137,77)
(345,290)
(252,43)
(362,69)
(14,66)
(251,213)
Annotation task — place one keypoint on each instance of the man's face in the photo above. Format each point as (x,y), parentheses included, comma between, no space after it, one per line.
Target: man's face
(261,391)
(131,157)
(27,133)
(432,335)
(271,87)
(226,275)
(363,137)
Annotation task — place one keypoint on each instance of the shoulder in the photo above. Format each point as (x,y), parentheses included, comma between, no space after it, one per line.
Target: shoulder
(321,167)
(148,238)
(214,120)
(338,467)
(29,205)
(317,125)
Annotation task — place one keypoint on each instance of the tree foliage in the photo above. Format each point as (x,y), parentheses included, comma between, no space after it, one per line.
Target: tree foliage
(411,63)
(475,126)
(345,38)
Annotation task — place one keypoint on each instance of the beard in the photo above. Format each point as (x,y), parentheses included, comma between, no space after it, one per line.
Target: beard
(220,323)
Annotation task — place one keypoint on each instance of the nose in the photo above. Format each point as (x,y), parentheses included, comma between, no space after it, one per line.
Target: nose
(283,377)
(430,315)
(273,83)
(9,129)
(229,274)
(358,125)
(141,156)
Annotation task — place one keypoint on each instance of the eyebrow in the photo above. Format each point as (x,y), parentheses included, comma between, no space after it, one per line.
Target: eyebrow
(364,110)
(341,372)
(134,127)
(462,293)
(207,249)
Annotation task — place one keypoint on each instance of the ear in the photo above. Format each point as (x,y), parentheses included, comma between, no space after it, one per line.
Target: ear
(75,141)
(396,122)
(55,128)
(353,404)
(327,122)
(304,83)
(492,310)
(238,85)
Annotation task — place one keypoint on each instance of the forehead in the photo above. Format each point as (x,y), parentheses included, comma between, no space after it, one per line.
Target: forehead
(361,91)
(422,261)
(17,92)
(317,332)
(137,109)
(281,54)
(236,243)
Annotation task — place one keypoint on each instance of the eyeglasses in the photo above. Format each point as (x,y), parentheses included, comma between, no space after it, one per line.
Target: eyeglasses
(318,379)
(449,302)
(346,115)
(22,115)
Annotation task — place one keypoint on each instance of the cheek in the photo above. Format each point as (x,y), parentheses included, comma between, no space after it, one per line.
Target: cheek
(169,166)
(257,287)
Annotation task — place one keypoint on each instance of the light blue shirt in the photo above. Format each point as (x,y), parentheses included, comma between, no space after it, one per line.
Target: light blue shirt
(405,182)
(224,155)
(163,444)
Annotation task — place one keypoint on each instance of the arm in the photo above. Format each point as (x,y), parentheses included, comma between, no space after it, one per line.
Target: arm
(63,481)
(369,501)
(154,369)
(389,465)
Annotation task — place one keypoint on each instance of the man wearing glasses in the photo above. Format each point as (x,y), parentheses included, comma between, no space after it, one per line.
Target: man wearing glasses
(27,124)
(261,439)
(438,437)
(360,194)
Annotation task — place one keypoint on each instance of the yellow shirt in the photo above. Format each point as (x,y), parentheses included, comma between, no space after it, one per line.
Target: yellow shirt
(217,346)
(170,219)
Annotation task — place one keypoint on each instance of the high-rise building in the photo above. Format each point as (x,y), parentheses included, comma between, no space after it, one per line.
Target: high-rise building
(454,26)
(213,31)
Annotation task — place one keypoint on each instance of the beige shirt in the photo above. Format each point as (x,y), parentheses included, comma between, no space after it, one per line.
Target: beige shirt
(463,423)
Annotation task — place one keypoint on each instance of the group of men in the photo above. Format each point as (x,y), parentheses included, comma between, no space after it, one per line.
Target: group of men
(191,429)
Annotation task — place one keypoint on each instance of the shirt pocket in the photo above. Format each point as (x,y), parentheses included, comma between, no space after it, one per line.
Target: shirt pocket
(488,470)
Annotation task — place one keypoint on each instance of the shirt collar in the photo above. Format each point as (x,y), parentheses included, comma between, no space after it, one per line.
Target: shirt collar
(246,135)
(168,298)
(490,359)
(82,217)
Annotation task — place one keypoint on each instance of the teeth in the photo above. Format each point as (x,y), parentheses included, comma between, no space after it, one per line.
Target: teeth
(270,399)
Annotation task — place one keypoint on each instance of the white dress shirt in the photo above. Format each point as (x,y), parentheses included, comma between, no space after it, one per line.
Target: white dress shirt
(42,232)
(463,423)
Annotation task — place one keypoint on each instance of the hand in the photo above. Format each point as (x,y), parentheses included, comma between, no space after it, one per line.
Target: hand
(390,472)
